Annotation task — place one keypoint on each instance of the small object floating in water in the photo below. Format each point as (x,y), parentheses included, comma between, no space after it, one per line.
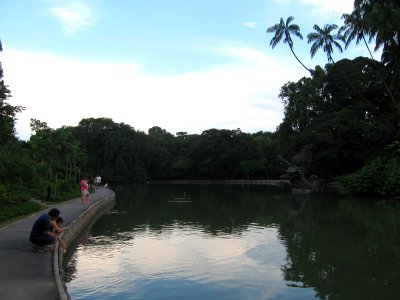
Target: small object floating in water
(183,199)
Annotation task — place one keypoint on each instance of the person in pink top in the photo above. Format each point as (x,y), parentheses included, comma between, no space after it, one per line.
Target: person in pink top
(85,191)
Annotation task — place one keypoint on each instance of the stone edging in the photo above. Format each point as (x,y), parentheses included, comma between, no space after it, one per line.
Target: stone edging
(74,228)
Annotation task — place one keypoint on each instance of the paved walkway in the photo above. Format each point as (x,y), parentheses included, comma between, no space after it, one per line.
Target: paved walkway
(29,275)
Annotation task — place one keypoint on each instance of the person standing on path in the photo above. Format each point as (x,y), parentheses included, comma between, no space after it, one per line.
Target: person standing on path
(42,234)
(84,191)
(97,181)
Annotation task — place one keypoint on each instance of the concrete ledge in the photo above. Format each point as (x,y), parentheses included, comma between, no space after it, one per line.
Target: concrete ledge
(74,229)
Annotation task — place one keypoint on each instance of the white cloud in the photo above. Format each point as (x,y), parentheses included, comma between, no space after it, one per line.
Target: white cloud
(250,24)
(73,16)
(63,92)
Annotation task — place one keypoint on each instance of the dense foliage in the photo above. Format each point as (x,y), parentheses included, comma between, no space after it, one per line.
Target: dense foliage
(342,122)
(122,154)
(341,118)
(346,116)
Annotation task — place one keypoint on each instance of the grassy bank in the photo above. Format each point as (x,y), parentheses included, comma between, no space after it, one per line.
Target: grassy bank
(11,211)
(15,211)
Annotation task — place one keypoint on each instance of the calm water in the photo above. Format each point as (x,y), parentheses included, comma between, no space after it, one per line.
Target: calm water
(235,242)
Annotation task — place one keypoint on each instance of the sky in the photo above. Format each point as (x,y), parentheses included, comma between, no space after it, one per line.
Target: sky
(182,65)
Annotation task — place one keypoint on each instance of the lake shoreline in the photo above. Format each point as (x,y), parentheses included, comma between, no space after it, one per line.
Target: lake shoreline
(313,185)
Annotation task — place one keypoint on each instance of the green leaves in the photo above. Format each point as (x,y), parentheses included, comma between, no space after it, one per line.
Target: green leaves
(379,177)
(285,30)
(325,39)
(340,123)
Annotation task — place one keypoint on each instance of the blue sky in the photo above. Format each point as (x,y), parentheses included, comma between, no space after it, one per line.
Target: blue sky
(182,65)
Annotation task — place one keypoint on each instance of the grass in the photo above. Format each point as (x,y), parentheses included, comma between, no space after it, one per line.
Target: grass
(16,211)
(12,211)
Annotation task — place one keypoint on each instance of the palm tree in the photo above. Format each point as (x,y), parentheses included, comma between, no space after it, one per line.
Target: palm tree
(381,20)
(323,38)
(354,28)
(384,21)
(285,30)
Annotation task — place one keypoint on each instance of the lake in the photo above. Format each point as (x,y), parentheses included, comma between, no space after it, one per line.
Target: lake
(236,242)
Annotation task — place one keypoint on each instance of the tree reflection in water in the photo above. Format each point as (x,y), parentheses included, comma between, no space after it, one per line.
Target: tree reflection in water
(339,249)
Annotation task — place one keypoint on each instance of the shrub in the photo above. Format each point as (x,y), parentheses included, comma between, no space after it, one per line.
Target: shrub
(380,176)
(18,209)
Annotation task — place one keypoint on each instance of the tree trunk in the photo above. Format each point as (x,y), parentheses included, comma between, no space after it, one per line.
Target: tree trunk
(311,72)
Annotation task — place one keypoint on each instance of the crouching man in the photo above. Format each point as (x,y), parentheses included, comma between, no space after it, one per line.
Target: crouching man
(42,236)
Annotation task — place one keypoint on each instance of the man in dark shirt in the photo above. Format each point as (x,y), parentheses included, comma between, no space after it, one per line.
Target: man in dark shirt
(41,234)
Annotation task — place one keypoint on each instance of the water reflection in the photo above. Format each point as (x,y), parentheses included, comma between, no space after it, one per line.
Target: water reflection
(231,243)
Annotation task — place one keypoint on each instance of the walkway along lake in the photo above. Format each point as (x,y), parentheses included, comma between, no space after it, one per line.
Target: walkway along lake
(236,242)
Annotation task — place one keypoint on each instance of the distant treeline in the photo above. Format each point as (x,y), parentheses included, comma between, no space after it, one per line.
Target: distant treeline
(119,153)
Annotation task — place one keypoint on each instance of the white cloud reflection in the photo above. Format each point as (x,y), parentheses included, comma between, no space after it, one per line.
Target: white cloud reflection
(252,258)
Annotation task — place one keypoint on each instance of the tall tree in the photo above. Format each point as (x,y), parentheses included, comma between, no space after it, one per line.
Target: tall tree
(323,38)
(1,69)
(163,148)
(339,131)
(7,115)
(354,28)
(285,30)
(7,111)
(381,19)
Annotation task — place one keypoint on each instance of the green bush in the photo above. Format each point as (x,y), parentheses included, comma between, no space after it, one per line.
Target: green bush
(18,209)
(379,177)
(5,195)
